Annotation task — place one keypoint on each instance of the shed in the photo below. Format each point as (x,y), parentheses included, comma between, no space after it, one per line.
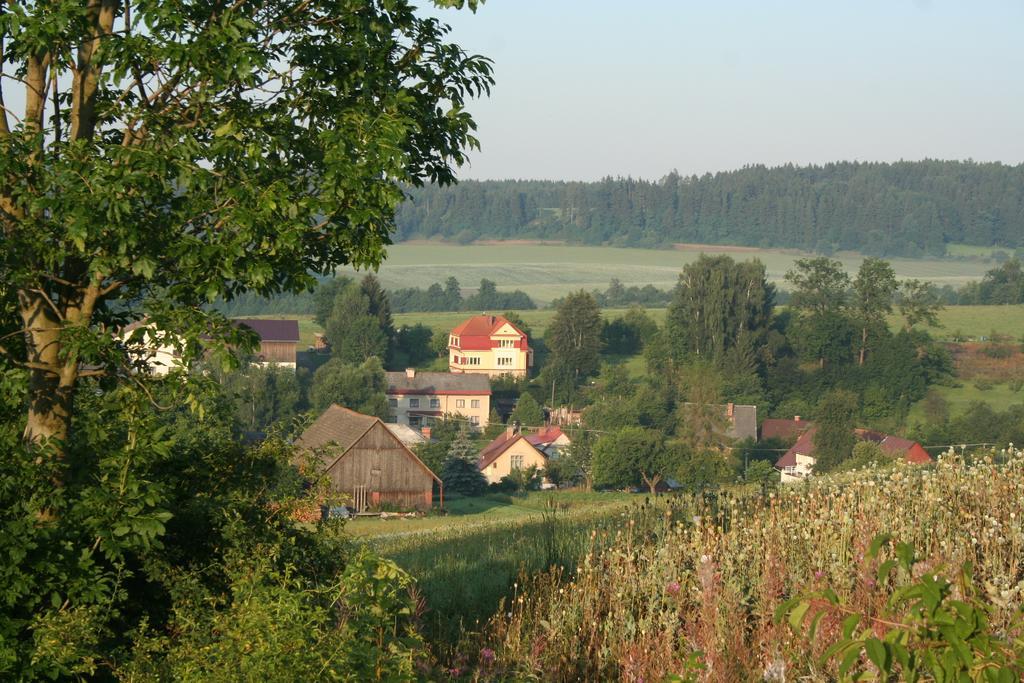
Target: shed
(278,339)
(365,460)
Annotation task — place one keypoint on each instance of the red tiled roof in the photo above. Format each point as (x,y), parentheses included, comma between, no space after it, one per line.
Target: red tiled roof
(804,446)
(271,330)
(545,436)
(475,333)
(783,430)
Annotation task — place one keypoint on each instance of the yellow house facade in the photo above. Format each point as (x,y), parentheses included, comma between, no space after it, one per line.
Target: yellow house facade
(510,451)
(489,345)
(419,399)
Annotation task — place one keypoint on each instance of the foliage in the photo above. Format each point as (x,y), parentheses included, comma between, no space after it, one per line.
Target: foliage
(527,412)
(716,302)
(463,477)
(263,396)
(574,337)
(194,151)
(627,334)
(522,479)
(930,628)
(353,329)
(362,388)
(631,456)
(834,438)
(897,209)
(873,291)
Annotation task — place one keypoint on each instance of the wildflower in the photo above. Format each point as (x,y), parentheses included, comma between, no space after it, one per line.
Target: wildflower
(672,588)
(818,574)
(487,655)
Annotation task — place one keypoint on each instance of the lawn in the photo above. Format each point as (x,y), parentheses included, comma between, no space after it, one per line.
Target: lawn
(466,562)
(1000,397)
(547,272)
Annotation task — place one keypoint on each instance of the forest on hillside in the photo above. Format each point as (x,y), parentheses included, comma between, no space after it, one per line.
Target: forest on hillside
(905,208)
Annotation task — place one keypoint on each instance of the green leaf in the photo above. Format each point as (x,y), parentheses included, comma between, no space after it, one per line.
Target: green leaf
(878,654)
(796,617)
(876,544)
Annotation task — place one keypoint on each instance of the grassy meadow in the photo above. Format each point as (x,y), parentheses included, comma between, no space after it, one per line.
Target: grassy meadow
(547,272)
(468,561)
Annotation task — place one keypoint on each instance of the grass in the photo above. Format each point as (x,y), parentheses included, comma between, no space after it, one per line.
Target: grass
(972,251)
(468,561)
(960,398)
(547,272)
(976,321)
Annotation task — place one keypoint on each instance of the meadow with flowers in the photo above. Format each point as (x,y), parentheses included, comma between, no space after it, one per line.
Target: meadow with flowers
(896,573)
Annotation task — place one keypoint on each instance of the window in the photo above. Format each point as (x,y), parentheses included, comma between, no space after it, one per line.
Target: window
(414,403)
(435,403)
(392,403)
(508,343)
(474,420)
(475,403)
(517,462)
(460,403)
(475,360)
(504,362)
(415,421)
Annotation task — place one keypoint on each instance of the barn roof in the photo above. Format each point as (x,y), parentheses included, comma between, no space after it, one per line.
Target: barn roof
(343,427)
(438,383)
(271,330)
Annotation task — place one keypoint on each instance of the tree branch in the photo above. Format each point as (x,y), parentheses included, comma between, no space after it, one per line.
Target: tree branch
(87,75)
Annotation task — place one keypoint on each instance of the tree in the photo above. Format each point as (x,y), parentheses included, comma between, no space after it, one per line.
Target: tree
(527,411)
(324,295)
(702,422)
(834,438)
(581,454)
(452,294)
(463,477)
(574,336)
(353,330)
(378,304)
(632,455)
(819,293)
(873,290)
(263,396)
(194,151)
(919,303)
(715,302)
(362,388)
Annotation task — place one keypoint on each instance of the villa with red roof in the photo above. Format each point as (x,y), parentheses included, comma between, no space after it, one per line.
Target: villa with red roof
(550,440)
(798,462)
(489,345)
(510,451)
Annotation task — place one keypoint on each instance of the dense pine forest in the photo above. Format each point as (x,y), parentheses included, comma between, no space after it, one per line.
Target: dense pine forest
(883,209)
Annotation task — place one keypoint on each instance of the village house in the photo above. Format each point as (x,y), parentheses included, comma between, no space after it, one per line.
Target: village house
(279,340)
(153,349)
(489,345)
(786,431)
(549,440)
(738,421)
(419,399)
(366,461)
(510,451)
(798,462)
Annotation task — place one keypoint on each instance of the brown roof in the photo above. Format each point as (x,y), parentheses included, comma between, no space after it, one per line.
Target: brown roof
(438,383)
(494,449)
(546,435)
(272,330)
(783,430)
(343,427)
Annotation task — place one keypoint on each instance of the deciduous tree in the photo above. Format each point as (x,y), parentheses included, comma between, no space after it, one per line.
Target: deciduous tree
(574,336)
(170,154)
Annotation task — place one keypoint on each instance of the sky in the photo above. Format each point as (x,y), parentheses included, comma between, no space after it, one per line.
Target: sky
(592,88)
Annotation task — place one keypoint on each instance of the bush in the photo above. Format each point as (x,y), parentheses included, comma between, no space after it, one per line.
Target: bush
(983,384)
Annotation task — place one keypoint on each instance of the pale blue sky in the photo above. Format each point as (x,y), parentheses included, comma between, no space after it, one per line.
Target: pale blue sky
(588,88)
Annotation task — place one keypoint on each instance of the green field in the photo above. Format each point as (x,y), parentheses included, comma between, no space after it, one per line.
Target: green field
(960,398)
(547,272)
(971,251)
(466,562)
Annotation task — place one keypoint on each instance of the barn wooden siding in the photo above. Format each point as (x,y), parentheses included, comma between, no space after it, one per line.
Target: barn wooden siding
(384,466)
(278,351)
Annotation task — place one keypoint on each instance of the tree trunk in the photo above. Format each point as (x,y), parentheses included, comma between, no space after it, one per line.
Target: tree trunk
(652,483)
(863,345)
(51,380)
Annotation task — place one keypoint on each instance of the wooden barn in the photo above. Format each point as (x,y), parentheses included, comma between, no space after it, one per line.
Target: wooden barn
(365,460)
(279,339)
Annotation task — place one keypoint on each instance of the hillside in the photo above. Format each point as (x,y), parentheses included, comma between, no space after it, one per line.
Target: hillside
(884,209)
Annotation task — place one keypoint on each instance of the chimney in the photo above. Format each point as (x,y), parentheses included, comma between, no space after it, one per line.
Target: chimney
(796,418)
(410,372)
(512,429)
(730,409)
(425,431)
